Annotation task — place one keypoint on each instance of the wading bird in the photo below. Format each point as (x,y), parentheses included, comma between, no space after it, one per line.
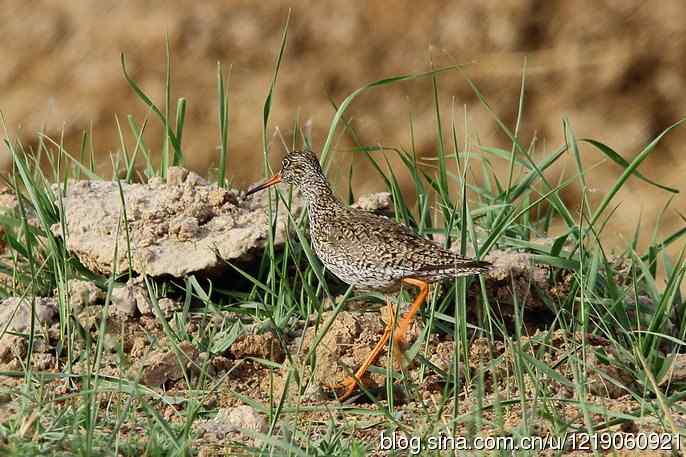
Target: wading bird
(368,251)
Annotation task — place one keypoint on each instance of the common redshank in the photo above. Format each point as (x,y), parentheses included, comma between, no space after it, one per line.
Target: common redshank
(368,251)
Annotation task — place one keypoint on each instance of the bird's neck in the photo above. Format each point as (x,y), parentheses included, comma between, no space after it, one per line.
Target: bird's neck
(319,196)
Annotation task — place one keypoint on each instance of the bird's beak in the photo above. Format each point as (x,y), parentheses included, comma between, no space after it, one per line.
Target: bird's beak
(268,183)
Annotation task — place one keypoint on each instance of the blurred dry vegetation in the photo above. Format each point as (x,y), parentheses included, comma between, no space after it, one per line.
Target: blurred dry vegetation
(615,68)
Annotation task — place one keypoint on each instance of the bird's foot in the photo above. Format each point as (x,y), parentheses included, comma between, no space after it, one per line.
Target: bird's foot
(346,388)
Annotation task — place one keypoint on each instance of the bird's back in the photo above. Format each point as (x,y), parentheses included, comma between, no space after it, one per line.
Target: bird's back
(374,252)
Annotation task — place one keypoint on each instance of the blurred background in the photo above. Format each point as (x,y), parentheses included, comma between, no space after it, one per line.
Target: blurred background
(615,68)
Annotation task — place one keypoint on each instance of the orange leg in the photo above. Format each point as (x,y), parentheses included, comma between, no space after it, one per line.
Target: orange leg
(350,383)
(399,336)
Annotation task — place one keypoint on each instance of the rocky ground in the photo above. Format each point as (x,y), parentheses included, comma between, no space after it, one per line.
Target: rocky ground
(254,366)
(186,226)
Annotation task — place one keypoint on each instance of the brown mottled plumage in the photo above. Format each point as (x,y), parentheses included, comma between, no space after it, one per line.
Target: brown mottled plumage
(366,250)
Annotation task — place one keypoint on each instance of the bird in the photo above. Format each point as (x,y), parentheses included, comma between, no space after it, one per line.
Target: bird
(368,251)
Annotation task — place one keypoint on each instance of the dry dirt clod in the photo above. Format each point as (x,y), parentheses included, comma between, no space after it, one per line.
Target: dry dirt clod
(15,312)
(232,421)
(265,346)
(508,263)
(88,317)
(514,274)
(18,311)
(82,294)
(174,228)
(221,364)
(300,389)
(162,366)
(145,307)
(379,203)
(125,299)
(12,346)
(344,347)
(43,361)
(245,418)
(176,175)
(167,306)
(138,347)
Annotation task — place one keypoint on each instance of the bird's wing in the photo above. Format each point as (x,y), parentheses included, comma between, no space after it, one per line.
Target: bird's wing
(386,242)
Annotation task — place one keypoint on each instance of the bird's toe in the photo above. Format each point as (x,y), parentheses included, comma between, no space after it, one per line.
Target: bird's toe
(346,388)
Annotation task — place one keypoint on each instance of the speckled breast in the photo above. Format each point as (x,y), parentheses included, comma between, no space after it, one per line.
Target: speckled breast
(356,272)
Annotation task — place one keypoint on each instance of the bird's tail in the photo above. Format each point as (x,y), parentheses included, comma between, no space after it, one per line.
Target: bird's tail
(461,267)
(481,265)
(472,267)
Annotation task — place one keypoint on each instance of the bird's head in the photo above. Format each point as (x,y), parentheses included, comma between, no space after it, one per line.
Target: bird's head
(299,168)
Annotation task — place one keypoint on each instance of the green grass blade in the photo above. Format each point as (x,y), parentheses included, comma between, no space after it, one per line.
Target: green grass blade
(629,170)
